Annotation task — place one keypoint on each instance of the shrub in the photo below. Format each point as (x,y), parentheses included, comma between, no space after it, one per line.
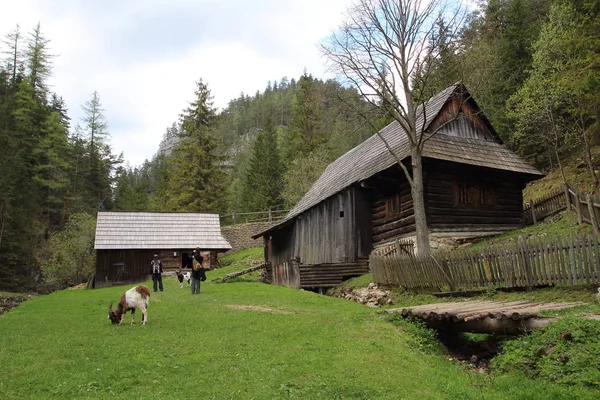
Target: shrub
(71,258)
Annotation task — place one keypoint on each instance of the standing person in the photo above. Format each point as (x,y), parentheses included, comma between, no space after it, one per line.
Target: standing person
(156,271)
(198,273)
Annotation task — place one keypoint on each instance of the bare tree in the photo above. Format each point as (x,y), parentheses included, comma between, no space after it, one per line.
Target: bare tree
(386,49)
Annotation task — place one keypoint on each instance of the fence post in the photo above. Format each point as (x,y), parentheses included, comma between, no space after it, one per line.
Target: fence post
(578,208)
(593,219)
(270,216)
(233,218)
(532,206)
(567,197)
(525,261)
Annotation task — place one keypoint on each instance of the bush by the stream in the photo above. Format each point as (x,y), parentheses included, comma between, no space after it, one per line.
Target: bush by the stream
(566,352)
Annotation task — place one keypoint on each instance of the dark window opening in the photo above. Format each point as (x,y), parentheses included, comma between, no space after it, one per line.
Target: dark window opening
(473,195)
(341,214)
(393,205)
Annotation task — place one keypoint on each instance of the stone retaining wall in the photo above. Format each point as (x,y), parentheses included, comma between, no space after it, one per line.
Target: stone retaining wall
(240,236)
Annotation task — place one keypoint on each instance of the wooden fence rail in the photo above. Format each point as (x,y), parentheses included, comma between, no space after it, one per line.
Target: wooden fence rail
(572,260)
(586,206)
(255,216)
(398,248)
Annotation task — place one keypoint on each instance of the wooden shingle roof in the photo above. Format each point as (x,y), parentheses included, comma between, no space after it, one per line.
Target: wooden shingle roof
(149,230)
(371,156)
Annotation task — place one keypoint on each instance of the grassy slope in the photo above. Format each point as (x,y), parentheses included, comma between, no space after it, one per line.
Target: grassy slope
(576,174)
(209,346)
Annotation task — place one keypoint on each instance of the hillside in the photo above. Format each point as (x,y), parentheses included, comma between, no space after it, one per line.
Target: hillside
(576,174)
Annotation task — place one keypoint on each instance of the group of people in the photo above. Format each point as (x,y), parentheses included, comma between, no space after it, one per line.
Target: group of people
(198,273)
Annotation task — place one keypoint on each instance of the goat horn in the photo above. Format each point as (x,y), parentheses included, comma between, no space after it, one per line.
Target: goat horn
(110,306)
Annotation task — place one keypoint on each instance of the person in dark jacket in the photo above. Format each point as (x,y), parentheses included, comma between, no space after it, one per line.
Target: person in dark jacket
(198,273)
(156,271)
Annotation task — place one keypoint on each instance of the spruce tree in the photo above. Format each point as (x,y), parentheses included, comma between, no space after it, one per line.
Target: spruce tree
(195,170)
(307,133)
(52,168)
(264,179)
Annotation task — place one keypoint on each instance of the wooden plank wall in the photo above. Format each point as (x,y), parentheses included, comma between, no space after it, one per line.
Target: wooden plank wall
(286,274)
(323,235)
(571,260)
(468,124)
(331,232)
(281,245)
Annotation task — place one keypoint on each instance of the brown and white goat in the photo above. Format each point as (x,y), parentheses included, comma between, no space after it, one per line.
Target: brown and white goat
(136,297)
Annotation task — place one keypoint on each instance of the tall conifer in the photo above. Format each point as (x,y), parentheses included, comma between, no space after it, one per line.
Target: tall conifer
(196,176)
(264,180)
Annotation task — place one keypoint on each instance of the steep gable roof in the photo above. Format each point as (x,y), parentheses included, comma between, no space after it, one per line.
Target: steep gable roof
(147,230)
(372,156)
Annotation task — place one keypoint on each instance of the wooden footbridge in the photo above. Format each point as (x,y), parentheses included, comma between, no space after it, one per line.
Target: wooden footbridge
(510,318)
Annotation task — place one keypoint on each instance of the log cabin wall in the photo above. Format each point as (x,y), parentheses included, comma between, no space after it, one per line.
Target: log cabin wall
(460,197)
(133,266)
(392,207)
(120,267)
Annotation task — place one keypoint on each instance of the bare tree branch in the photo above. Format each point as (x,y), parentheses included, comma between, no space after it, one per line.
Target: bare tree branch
(386,49)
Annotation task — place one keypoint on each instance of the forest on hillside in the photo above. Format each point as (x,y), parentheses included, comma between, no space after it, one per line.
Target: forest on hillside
(533,66)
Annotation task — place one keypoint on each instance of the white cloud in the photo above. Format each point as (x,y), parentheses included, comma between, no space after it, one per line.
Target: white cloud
(143,57)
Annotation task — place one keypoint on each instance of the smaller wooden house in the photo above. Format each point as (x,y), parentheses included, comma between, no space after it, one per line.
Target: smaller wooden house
(126,242)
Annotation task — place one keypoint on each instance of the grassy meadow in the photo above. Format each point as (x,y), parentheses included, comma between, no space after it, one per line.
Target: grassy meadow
(239,340)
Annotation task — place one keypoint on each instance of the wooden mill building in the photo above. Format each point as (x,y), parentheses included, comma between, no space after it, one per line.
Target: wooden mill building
(126,242)
(473,186)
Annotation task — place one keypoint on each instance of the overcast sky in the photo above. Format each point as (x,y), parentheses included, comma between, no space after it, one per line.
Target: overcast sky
(143,56)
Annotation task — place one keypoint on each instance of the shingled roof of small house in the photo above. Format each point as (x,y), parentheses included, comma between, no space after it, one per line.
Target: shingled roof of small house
(154,230)
(371,156)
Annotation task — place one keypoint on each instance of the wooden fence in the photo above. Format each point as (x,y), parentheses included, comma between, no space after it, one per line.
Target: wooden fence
(255,216)
(397,248)
(586,206)
(572,260)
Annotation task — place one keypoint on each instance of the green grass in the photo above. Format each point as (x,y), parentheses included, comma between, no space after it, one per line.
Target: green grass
(241,340)
(567,351)
(562,224)
(236,262)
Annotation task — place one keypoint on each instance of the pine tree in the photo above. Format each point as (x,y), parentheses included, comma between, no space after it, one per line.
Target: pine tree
(196,177)
(264,180)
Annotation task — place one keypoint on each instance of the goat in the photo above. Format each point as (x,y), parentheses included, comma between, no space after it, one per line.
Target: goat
(136,297)
(181,277)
